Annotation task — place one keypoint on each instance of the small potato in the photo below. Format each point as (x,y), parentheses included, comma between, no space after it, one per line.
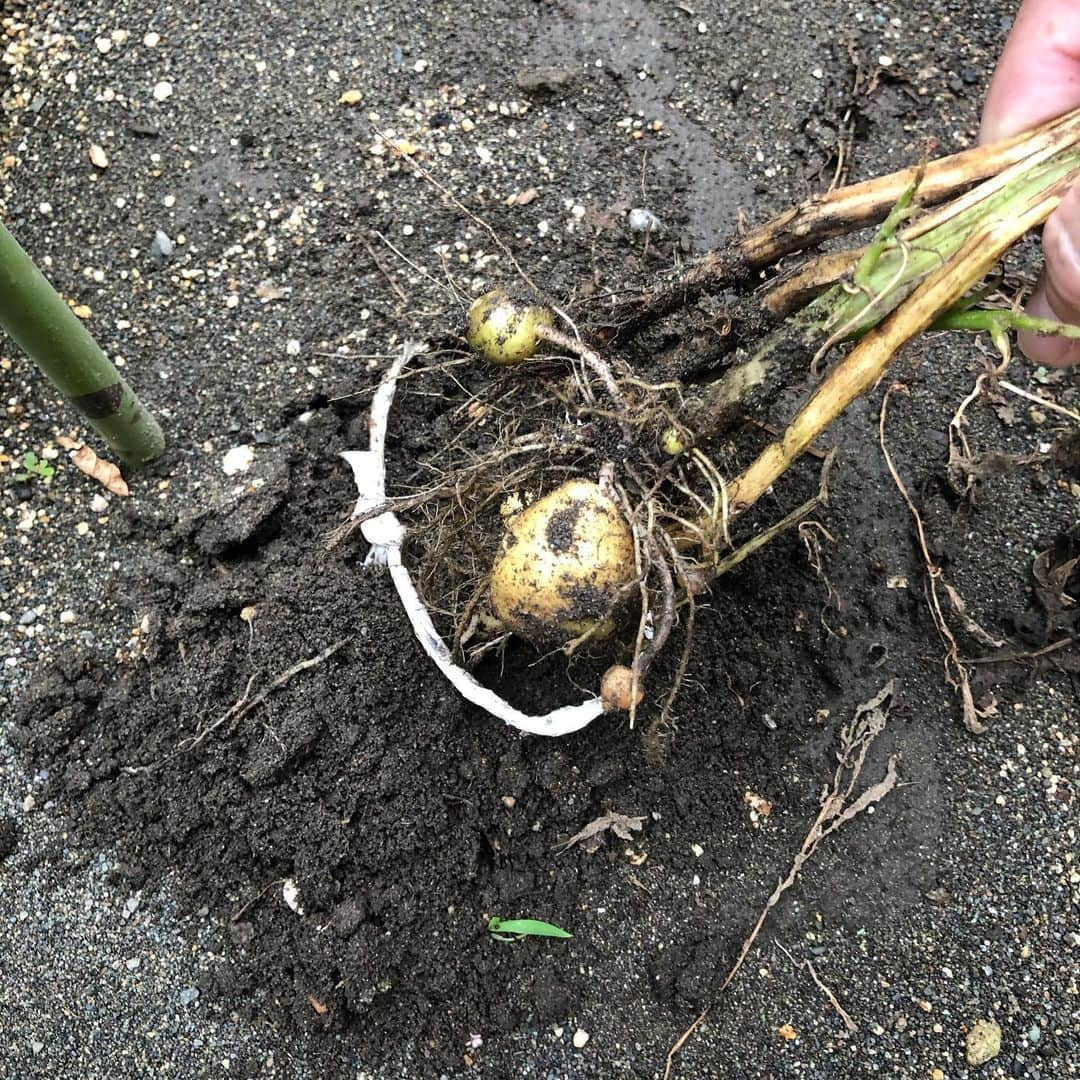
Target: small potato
(617,689)
(563,566)
(504,330)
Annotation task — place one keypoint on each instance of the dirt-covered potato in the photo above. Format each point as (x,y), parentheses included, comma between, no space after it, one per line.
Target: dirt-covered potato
(503,329)
(564,565)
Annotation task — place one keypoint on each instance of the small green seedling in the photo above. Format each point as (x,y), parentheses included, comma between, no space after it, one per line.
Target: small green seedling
(33,466)
(516,929)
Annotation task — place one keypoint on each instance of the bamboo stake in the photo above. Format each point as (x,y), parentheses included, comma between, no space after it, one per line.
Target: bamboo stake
(43,325)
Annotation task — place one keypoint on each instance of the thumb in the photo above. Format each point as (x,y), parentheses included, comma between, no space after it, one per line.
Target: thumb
(1057,295)
(1038,75)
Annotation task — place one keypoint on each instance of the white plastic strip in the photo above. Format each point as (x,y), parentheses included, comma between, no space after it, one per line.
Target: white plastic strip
(385,534)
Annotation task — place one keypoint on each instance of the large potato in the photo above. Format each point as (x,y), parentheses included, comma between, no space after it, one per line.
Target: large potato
(563,566)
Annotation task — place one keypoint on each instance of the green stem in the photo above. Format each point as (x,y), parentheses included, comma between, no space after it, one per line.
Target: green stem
(43,325)
(893,273)
(991,319)
(886,231)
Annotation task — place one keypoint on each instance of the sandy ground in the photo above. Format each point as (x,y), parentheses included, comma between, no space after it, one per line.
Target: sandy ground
(226,131)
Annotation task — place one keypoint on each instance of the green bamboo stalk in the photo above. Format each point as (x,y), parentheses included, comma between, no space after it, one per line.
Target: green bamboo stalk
(43,325)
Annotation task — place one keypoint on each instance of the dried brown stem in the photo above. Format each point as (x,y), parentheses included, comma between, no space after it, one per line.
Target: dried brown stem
(865,364)
(858,205)
(836,811)
(956,674)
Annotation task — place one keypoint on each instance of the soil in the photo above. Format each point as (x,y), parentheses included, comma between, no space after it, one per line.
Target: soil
(404,817)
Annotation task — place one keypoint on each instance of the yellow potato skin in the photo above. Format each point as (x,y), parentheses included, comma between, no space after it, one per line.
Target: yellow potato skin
(562,564)
(503,330)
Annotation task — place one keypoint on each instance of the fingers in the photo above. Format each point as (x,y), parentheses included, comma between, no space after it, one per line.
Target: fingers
(1038,75)
(1038,78)
(1057,295)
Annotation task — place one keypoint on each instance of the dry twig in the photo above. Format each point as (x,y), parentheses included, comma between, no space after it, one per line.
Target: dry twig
(955,672)
(239,709)
(837,809)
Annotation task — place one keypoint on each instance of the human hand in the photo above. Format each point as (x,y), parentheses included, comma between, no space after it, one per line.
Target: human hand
(1037,78)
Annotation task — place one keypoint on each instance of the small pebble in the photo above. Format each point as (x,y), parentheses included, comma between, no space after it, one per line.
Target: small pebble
(983,1042)
(99,504)
(67,617)
(581,1037)
(238,460)
(151,40)
(163,91)
(28,617)
(189,995)
(161,248)
(641,220)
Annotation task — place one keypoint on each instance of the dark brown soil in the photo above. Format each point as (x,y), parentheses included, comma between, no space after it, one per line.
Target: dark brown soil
(405,825)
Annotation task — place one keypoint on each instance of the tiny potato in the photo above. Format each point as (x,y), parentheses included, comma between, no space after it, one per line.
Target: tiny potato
(563,566)
(617,689)
(505,330)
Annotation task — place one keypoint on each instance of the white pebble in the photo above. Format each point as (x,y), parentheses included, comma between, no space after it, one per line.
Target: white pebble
(291,895)
(238,460)
(641,220)
(292,347)
(581,1037)
(151,40)
(103,44)
(99,504)
(67,617)
(163,91)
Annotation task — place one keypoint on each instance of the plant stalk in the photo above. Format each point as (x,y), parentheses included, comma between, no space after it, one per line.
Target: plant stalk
(43,325)
(867,361)
(858,205)
(877,279)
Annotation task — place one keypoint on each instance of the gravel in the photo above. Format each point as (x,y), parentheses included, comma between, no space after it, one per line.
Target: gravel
(232,178)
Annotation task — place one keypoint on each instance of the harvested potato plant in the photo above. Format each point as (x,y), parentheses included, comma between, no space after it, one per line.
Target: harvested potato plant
(628,454)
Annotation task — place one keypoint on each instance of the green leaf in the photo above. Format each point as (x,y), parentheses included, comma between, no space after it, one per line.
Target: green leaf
(34,466)
(514,929)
